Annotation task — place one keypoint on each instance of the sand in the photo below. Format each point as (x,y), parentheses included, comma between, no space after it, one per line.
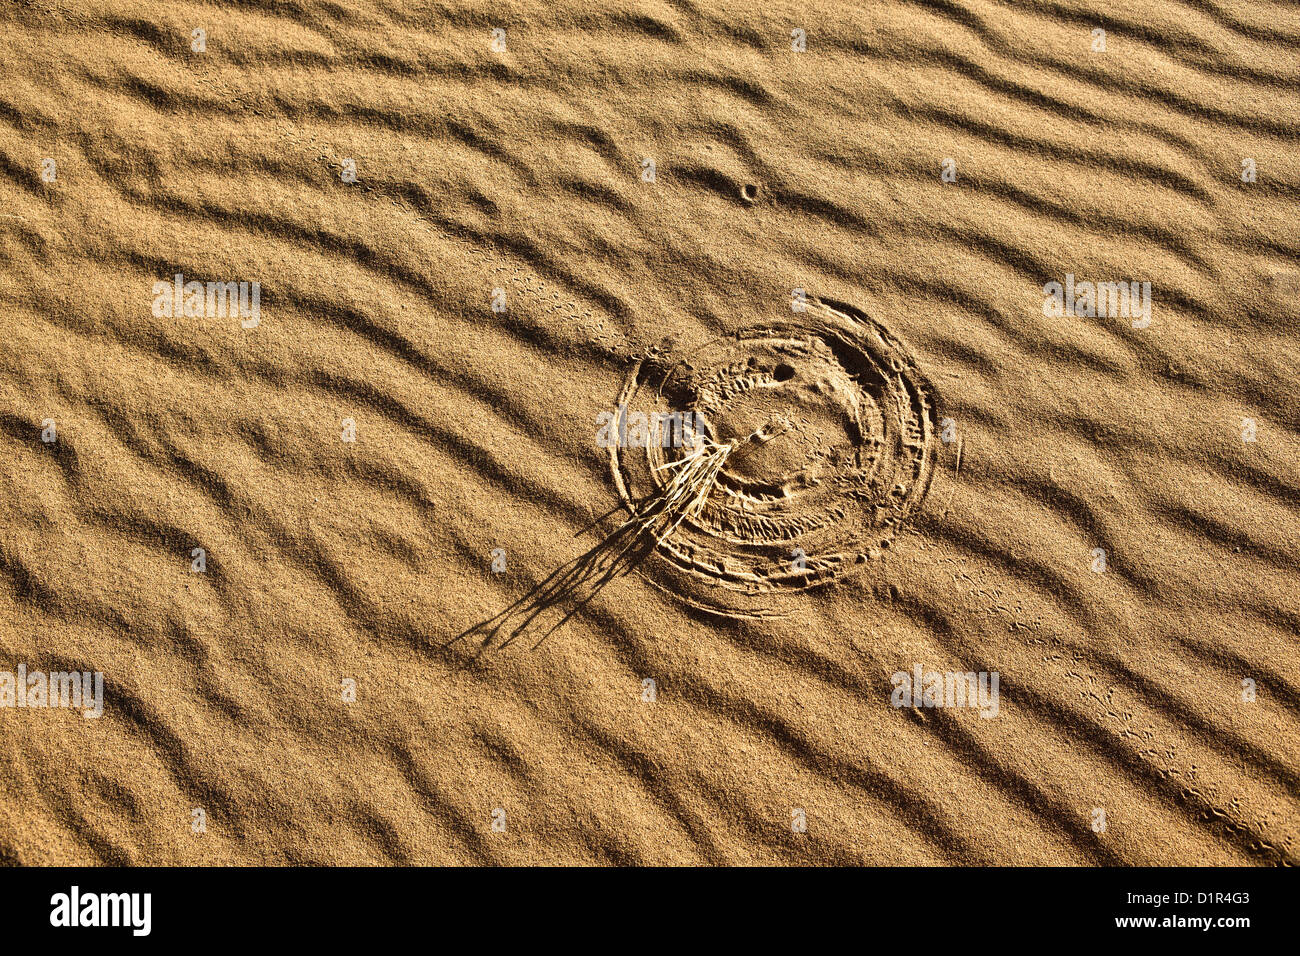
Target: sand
(833,222)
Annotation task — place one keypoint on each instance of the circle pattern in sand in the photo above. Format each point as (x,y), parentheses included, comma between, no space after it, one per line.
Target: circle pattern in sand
(831,425)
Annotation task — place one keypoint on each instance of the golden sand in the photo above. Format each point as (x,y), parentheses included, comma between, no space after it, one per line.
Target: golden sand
(828,230)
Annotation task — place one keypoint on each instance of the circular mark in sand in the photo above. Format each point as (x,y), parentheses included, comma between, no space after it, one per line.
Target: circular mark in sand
(831,425)
(749,193)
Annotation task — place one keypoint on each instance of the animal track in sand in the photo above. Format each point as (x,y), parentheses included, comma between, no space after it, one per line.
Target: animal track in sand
(832,426)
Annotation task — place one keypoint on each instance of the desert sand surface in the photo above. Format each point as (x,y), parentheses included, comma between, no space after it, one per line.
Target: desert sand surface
(833,224)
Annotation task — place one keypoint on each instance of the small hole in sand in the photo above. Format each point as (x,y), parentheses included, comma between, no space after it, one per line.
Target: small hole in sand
(749,192)
(783,373)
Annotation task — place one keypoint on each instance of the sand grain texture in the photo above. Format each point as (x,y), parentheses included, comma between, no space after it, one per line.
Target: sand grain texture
(522,170)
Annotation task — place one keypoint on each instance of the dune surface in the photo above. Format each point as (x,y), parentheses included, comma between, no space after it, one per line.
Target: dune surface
(365,585)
